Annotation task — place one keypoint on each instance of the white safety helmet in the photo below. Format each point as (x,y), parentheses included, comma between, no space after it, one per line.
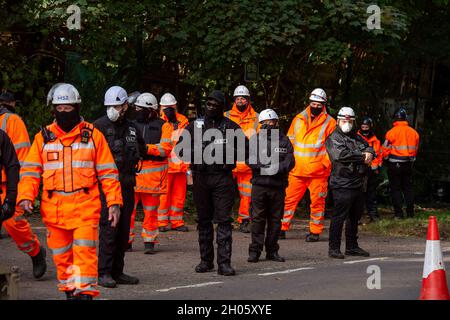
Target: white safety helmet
(147,100)
(167,100)
(115,96)
(241,91)
(346,113)
(66,94)
(132,97)
(318,95)
(51,91)
(267,114)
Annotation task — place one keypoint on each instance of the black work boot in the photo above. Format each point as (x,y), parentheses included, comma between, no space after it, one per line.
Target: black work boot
(204,266)
(357,251)
(335,253)
(69,295)
(245,226)
(225,269)
(126,279)
(181,229)
(149,248)
(83,296)
(253,257)
(130,247)
(274,257)
(312,237)
(106,281)
(164,229)
(39,263)
(282,235)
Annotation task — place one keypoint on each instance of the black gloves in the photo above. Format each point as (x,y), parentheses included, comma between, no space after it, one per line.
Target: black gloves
(7,211)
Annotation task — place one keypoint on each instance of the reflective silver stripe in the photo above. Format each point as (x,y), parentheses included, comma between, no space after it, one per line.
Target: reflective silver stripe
(296,127)
(318,144)
(89,280)
(175,209)
(255,126)
(285,220)
(245,194)
(150,233)
(108,176)
(5,120)
(318,222)
(245,185)
(27,250)
(31,164)
(21,145)
(166,140)
(163,211)
(161,150)
(104,166)
(53,147)
(84,243)
(163,218)
(86,289)
(75,146)
(310,154)
(386,143)
(83,164)
(62,249)
(244,215)
(53,165)
(150,208)
(79,145)
(176,218)
(30,174)
(404,147)
(227,114)
(286,212)
(63,193)
(158,169)
(323,194)
(317,214)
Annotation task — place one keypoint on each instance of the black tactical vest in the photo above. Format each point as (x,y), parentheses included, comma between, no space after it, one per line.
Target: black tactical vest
(151,133)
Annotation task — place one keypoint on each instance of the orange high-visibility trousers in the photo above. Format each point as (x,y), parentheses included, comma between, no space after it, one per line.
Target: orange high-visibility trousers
(171,207)
(318,188)
(150,204)
(245,192)
(20,231)
(75,256)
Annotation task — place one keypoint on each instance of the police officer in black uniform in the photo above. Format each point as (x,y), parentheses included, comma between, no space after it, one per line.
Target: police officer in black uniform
(9,162)
(213,186)
(269,182)
(126,146)
(350,155)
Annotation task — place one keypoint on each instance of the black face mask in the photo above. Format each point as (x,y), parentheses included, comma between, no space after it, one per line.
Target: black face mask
(269,126)
(242,107)
(142,115)
(170,114)
(214,111)
(316,111)
(67,120)
(366,133)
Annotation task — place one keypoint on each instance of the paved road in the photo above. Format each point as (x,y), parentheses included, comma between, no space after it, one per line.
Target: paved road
(308,273)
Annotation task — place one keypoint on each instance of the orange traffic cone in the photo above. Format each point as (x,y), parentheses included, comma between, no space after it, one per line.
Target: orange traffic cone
(434,282)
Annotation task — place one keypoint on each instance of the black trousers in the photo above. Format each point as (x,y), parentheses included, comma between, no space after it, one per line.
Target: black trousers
(214,198)
(348,208)
(401,183)
(267,207)
(113,242)
(371,193)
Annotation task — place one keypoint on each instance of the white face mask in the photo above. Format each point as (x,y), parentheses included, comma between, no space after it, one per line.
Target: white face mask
(346,127)
(112,114)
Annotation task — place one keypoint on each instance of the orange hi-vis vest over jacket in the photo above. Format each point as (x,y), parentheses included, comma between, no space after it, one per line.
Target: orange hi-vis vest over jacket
(70,166)
(376,146)
(308,138)
(152,178)
(175,164)
(14,126)
(401,144)
(248,121)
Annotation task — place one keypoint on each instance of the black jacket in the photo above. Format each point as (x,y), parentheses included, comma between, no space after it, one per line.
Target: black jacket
(230,148)
(126,145)
(285,162)
(347,159)
(11,165)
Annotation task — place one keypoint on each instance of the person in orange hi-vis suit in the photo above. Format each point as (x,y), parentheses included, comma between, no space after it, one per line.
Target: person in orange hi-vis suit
(245,116)
(308,132)
(400,150)
(366,132)
(18,227)
(171,207)
(72,158)
(151,181)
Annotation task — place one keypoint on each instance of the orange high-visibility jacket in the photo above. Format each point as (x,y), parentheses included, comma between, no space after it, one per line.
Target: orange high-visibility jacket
(152,177)
(308,138)
(14,126)
(70,168)
(248,121)
(402,143)
(376,146)
(175,164)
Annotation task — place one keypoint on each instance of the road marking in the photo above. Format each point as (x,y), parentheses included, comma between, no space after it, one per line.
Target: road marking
(285,271)
(190,286)
(366,260)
